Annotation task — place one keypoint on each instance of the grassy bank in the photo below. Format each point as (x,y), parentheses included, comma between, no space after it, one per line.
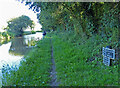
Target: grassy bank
(29,32)
(79,61)
(34,70)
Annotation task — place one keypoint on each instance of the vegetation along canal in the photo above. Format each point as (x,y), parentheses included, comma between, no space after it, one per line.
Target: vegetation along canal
(12,52)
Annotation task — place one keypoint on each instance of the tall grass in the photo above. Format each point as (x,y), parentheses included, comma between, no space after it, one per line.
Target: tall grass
(79,61)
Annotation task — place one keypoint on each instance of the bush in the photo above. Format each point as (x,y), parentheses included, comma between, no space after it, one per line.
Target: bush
(33,32)
(4,34)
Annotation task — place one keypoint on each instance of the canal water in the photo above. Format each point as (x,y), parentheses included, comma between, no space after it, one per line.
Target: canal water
(12,52)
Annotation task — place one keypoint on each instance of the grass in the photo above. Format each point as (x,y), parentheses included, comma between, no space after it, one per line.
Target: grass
(39,31)
(34,70)
(79,63)
(28,32)
(33,32)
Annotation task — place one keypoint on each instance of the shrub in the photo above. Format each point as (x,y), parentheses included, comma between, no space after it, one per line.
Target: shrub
(33,32)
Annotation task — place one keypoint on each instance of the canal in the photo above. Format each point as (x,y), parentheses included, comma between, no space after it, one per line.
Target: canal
(13,52)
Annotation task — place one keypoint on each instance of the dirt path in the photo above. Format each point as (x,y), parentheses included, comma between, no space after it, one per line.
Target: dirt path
(53,72)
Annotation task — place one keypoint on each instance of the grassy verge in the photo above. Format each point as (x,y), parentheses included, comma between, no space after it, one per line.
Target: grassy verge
(29,32)
(39,31)
(79,61)
(34,70)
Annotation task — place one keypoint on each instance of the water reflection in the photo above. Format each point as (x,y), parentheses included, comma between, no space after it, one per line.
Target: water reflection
(12,52)
(6,58)
(18,47)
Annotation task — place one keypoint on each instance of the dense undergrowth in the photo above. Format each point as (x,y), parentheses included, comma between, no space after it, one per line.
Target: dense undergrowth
(79,61)
(33,70)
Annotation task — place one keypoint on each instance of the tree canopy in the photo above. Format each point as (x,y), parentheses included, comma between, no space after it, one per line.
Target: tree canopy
(82,17)
(16,26)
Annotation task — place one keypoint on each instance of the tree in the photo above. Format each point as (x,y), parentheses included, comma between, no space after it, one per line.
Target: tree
(85,18)
(16,26)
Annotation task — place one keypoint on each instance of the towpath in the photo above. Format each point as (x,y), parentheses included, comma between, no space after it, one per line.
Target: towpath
(54,81)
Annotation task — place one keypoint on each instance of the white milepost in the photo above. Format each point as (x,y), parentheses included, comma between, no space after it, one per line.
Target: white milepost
(107,55)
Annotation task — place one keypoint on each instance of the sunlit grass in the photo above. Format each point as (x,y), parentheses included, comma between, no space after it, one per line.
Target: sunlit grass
(78,62)
(34,70)
(73,66)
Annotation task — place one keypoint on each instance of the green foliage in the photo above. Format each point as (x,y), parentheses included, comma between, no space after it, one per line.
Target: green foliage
(79,61)
(27,32)
(16,26)
(39,31)
(4,34)
(33,32)
(87,17)
(4,37)
(34,68)
(31,42)
(82,30)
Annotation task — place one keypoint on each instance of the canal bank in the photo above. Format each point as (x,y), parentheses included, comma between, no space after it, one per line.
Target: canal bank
(11,53)
(34,70)
(78,63)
